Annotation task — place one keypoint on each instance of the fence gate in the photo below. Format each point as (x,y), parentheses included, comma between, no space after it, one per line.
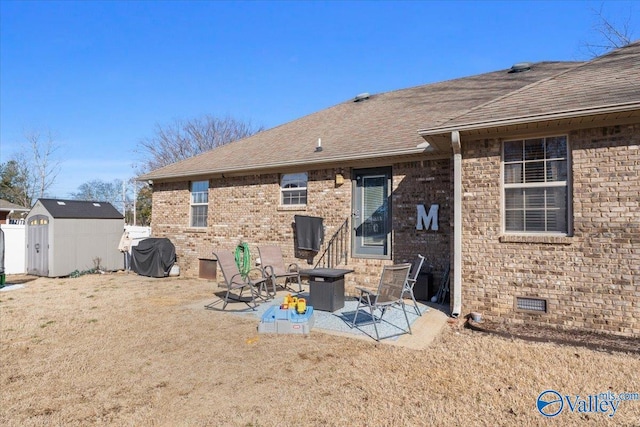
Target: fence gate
(38,245)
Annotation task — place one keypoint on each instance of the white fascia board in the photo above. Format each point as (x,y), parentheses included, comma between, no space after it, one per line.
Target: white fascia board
(532,118)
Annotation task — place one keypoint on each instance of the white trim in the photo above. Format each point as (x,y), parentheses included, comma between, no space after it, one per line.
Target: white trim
(193,204)
(558,184)
(289,190)
(297,162)
(620,108)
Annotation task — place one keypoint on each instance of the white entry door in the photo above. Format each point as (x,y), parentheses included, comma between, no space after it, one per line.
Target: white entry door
(38,245)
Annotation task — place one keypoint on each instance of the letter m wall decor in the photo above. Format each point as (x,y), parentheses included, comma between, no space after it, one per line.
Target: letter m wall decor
(427,221)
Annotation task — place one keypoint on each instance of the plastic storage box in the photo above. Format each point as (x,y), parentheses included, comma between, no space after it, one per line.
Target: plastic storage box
(278,321)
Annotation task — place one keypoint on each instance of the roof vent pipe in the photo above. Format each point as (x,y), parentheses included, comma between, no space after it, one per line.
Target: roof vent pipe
(319,146)
(520,67)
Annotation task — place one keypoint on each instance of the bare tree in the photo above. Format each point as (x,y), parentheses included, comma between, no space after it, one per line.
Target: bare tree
(44,166)
(611,35)
(32,171)
(101,191)
(186,138)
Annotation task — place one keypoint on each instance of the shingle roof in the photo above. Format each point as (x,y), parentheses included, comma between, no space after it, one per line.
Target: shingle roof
(80,209)
(6,206)
(607,83)
(385,124)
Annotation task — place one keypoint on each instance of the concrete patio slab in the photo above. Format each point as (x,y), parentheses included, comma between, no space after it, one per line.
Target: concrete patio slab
(424,329)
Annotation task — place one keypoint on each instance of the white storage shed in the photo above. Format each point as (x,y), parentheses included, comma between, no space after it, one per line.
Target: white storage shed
(68,235)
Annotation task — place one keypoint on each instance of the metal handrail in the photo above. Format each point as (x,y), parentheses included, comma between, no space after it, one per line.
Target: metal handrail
(336,251)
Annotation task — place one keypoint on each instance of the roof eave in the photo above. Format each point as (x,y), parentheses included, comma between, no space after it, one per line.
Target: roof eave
(422,149)
(512,121)
(14,210)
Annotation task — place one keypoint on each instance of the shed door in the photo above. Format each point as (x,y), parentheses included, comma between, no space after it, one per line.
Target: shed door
(38,246)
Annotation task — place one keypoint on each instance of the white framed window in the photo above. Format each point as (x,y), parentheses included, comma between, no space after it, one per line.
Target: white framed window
(293,189)
(199,203)
(535,182)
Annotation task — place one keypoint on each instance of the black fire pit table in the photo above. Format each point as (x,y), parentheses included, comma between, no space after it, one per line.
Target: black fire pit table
(326,288)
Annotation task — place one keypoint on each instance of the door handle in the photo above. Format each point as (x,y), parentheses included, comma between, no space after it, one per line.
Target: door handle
(37,247)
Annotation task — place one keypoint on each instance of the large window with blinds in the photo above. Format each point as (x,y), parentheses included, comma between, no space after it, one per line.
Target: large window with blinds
(536,190)
(199,203)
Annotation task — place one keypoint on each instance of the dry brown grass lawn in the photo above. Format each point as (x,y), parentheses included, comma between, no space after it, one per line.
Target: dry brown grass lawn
(122,349)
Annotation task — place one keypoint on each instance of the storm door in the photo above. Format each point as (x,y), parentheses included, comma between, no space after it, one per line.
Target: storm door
(371,213)
(38,245)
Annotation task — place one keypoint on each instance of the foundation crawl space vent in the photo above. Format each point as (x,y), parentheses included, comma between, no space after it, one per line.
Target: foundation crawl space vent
(536,305)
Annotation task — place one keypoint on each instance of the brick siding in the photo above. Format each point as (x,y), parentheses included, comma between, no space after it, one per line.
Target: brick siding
(247,209)
(590,280)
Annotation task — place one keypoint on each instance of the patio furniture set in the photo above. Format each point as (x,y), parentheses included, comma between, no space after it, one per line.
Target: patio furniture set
(326,288)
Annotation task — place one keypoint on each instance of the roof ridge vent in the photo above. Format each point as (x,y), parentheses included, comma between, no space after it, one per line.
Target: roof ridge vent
(520,67)
(361,97)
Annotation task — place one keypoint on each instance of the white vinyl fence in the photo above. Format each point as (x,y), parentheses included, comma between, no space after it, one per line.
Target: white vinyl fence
(137,234)
(15,248)
(15,245)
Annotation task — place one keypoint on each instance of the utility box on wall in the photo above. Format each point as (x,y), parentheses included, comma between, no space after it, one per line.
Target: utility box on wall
(207,268)
(424,287)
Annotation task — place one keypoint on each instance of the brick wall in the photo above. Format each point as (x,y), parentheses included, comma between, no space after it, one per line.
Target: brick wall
(247,209)
(426,183)
(591,280)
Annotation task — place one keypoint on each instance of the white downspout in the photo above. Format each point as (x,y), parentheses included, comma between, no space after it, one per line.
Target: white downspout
(457,224)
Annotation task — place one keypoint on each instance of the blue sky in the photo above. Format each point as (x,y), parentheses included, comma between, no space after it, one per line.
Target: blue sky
(102,74)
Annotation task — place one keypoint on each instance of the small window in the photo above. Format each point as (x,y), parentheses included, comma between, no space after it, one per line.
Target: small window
(535,180)
(293,188)
(39,220)
(199,203)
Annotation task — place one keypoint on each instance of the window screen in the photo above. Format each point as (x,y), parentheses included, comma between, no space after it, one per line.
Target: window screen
(535,185)
(199,203)
(293,189)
